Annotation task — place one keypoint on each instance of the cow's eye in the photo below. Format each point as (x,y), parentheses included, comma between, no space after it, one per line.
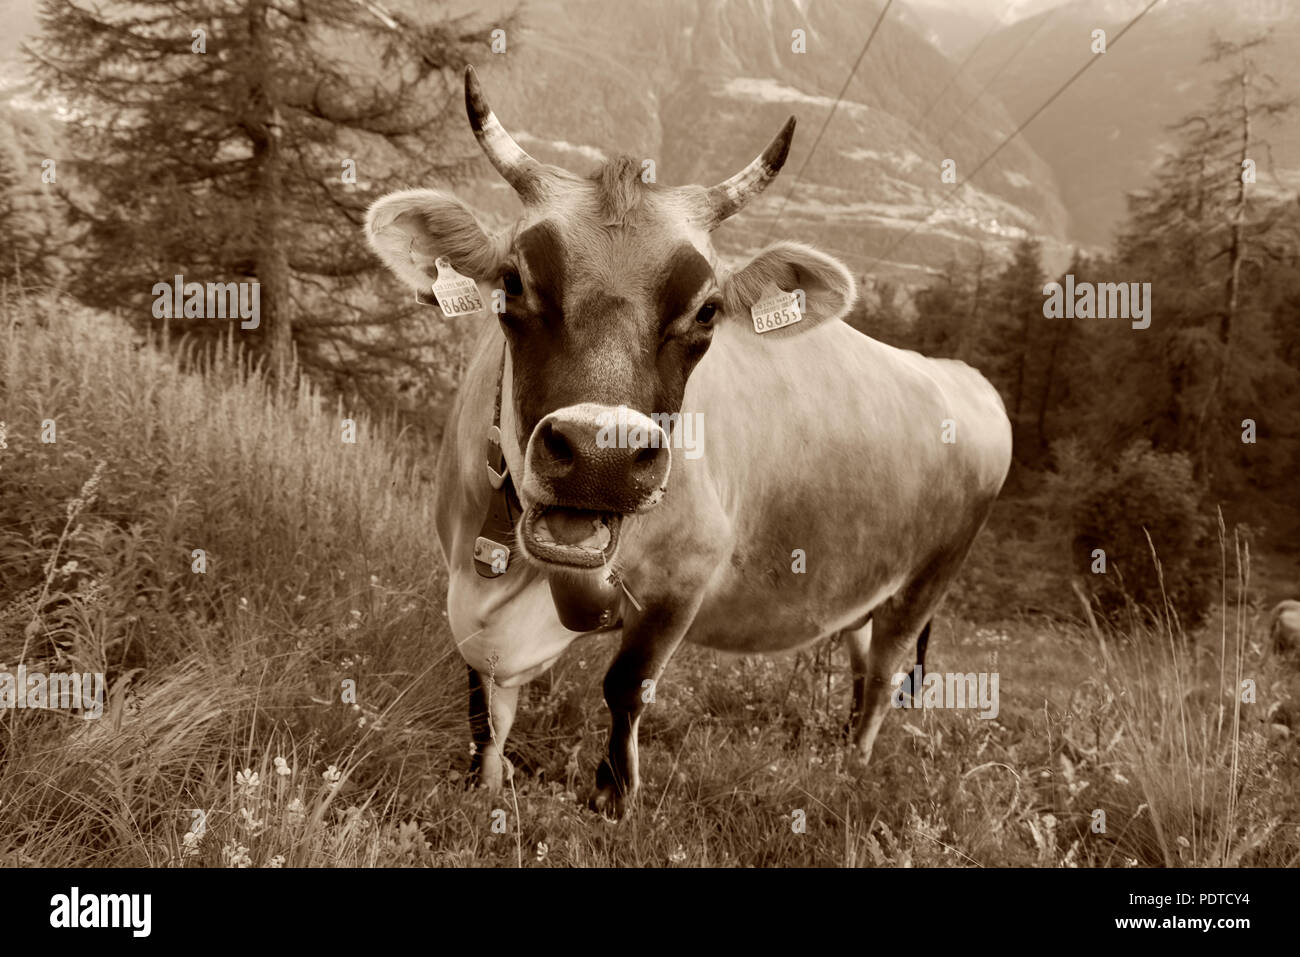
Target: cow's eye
(514,285)
(707,311)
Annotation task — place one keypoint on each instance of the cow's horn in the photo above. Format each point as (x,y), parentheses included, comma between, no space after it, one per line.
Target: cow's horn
(516,167)
(730,196)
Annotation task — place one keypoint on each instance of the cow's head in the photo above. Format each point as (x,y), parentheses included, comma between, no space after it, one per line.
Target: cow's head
(613,295)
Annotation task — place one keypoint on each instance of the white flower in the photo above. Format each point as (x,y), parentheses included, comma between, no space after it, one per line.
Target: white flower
(235,854)
(250,823)
(248,782)
(277,861)
(541,850)
(282,767)
(332,774)
(295,812)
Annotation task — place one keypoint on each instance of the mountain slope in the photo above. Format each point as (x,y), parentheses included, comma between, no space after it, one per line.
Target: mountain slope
(1103,136)
(700,86)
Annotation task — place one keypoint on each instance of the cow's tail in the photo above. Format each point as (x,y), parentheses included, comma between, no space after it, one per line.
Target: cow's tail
(922,641)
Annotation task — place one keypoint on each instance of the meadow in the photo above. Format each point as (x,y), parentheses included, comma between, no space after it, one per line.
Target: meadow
(230,739)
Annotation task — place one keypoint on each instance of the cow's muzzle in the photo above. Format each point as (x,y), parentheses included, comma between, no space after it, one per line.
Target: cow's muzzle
(585,468)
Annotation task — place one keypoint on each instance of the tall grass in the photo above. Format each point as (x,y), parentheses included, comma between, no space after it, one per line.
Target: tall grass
(321,565)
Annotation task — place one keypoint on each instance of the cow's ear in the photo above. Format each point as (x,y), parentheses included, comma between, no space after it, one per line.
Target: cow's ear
(828,287)
(411,229)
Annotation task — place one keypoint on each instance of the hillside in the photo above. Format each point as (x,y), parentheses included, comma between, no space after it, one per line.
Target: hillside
(1151,79)
(700,86)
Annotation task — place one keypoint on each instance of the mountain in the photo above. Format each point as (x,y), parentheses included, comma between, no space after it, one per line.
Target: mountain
(700,86)
(1107,131)
(957,26)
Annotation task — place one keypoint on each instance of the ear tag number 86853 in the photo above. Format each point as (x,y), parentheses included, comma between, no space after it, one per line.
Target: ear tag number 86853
(457,295)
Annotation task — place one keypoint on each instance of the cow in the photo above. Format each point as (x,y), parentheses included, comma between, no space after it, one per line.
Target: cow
(1284,627)
(838,485)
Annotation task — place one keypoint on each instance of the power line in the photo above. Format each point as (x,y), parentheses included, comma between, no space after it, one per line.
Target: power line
(1032,116)
(827,122)
(963,113)
(957,72)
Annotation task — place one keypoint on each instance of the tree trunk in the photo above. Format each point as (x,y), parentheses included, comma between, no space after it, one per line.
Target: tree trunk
(271,256)
(1228,314)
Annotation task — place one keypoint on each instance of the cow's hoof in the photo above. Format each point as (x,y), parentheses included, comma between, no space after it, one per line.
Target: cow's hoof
(609,803)
(858,759)
(489,775)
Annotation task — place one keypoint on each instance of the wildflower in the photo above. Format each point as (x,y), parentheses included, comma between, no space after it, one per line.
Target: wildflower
(332,774)
(282,767)
(250,823)
(374,581)
(299,599)
(68,568)
(248,782)
(678,856)
(235,854)
(541,851)
(295,813)
(243,604)
(277,861)
(355,614)
(190,844)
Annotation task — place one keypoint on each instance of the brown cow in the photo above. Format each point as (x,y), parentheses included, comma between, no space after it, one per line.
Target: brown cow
(836,483)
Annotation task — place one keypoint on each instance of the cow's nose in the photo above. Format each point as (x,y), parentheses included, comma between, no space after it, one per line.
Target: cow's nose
(600,458)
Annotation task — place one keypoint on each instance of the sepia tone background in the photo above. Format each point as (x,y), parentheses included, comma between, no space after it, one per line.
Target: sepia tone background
(1120,691)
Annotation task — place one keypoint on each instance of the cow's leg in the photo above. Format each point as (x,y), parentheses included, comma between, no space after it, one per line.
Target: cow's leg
(858,641)
(648,643)
(890,644)
(491,715)
(479,732)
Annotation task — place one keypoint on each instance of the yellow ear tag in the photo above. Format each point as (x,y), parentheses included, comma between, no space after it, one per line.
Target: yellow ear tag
(457,295)
(776,311)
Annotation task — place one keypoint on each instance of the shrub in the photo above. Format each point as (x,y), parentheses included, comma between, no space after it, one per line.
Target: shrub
(1147,512)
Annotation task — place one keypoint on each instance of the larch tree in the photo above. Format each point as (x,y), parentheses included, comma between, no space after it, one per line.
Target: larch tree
(241,141)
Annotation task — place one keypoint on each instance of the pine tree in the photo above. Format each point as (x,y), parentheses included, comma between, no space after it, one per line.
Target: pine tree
(242,140)
(1207,220)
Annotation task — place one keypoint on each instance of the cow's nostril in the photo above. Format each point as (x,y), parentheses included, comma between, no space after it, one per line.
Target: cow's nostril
(557,446)
(645,456)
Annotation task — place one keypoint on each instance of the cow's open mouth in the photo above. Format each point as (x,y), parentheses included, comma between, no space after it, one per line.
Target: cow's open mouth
(577,537)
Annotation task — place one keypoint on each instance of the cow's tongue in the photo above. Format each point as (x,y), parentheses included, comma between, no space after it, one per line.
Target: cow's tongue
(571,536)
(573,527)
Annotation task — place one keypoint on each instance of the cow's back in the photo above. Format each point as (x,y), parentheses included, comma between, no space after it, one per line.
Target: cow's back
(825,452)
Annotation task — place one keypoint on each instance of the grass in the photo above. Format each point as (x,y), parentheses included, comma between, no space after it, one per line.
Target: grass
(230,738)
